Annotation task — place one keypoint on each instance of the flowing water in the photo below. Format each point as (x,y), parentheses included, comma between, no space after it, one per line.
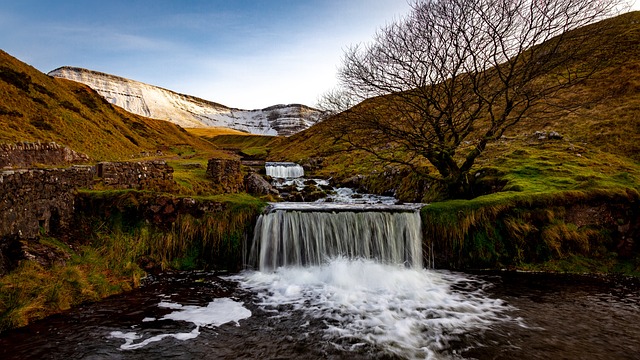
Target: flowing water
(345,282)
(347,310)
(299,234)
(284,170)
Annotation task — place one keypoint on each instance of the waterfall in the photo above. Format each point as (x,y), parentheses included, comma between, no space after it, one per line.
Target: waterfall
(298,234)
(285,170)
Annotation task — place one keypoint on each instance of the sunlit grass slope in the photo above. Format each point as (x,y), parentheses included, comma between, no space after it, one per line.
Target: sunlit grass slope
(601,140)
(36,107)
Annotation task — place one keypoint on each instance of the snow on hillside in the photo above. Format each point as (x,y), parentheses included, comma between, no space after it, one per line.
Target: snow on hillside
(188,111)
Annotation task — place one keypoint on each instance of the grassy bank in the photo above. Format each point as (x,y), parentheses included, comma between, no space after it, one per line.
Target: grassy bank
(567,231)
(116,240)
(105,266)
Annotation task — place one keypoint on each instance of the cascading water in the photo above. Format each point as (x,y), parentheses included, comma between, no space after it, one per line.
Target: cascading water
(284,170)
(299,234)
(358,269)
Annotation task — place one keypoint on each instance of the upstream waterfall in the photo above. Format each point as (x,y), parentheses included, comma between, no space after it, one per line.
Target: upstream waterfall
(284,170)
(299,234)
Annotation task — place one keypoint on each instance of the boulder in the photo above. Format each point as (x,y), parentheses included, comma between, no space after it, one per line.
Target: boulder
(257,185)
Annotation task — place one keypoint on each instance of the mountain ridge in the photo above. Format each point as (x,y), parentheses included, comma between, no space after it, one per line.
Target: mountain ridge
(190,111)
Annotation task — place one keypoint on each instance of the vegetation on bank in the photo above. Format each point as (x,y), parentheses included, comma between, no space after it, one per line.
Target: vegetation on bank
(117,241)
(567,231)
(104,266)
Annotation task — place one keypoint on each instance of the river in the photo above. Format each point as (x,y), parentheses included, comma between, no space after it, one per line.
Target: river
(502,315)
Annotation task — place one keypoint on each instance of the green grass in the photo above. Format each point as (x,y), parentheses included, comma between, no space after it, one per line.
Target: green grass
(90,273)
(252,146)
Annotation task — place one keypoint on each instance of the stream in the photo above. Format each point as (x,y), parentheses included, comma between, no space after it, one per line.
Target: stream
(370,313)
(345,280)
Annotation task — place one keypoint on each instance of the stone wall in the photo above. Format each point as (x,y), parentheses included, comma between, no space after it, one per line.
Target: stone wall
(227,174)
(39,200)
(34,202)
(26,154)
(148,175)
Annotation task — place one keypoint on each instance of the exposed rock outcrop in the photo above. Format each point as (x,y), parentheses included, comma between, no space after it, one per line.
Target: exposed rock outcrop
(189,111)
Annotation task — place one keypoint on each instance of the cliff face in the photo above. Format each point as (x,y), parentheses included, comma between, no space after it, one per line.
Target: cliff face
(188,111)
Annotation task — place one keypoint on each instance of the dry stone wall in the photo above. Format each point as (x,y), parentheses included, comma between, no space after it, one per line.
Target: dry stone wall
(42,201)
(34,202)
(29,154)
(155,175)
(227,173)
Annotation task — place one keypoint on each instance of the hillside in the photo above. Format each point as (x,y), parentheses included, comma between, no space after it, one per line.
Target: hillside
(189,111)
(37,107)
(600,145)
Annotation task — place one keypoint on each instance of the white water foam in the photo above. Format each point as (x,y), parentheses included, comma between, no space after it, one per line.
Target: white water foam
(412,313)
(219,311)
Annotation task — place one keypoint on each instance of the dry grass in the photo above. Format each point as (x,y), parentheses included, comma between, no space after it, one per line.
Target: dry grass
(36,107)
(212,132)
(605,132)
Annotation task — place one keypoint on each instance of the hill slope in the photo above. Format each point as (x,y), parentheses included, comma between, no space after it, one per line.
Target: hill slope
(601,139)
(188,111)
(37,107)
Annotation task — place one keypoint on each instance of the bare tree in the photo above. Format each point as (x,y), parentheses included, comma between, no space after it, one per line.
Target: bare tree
(456,74)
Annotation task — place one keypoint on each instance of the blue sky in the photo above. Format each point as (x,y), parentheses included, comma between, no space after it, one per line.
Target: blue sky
(241,53)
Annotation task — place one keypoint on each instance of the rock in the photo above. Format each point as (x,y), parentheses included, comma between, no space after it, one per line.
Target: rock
(554,135)
(540,135)
(544,135)
(257,185)
(189,111)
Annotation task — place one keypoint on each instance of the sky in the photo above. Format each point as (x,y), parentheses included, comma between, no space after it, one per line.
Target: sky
(247,54)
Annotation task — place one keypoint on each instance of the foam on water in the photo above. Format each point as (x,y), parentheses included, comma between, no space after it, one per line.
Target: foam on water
(413,313)
(219,311)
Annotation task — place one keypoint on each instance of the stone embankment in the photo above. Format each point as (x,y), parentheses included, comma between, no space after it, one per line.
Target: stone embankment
(228,174)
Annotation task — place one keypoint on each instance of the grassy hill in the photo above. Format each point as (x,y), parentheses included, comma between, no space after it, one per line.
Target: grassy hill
(530,192)
(600,146)
(36,107)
